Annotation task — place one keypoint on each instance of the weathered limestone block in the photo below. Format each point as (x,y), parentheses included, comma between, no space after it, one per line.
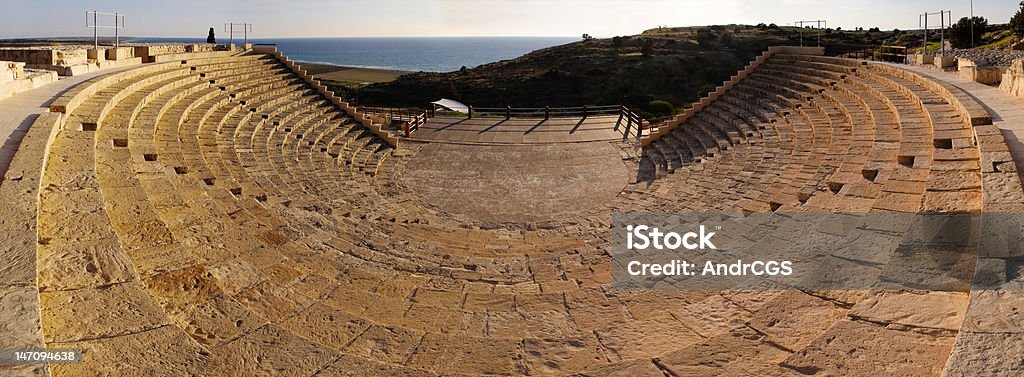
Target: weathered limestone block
(944,61)
(69,57)
(473,356)
(20,327)
(271,350)
(986,354)
(83,264)
(1013,79)
(97,54)
(158,352)
(648,338)
(120,53)
(921,59)
(10,71)
(115,310)
(44,56)
(326,325)
(743,351)
(862,348)
(205,47)
(970,70)
(940,310)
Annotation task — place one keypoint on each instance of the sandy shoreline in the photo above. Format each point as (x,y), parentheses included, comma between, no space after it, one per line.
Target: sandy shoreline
(351,75)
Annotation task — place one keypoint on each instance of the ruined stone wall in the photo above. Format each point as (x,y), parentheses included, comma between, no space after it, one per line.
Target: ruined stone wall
(1013,79)
(15,79)
(10,71)
(65,57)
(970,70)
(154,50)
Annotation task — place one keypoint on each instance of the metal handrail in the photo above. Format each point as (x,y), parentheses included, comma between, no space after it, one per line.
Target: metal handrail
(509,112)
(631,118)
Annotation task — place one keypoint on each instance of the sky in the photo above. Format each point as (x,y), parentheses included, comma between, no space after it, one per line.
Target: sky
(410,18)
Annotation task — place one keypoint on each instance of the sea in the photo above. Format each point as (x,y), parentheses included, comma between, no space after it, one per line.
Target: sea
(428,54)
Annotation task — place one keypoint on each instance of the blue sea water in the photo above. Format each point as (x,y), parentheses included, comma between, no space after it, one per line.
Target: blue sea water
(430,54)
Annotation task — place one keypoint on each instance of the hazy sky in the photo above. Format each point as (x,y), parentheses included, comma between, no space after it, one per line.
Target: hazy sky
(602,18)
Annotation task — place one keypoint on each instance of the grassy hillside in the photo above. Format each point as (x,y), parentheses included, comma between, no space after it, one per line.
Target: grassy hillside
(677,65)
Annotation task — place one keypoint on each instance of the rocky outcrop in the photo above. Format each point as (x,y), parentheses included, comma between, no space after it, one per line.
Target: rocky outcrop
(988,57)
(1013,79)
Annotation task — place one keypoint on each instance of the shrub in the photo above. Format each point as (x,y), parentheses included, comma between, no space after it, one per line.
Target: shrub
(1017,22)
(617,41)
(706,37)
(661,108)
(726,39)
(648,48)
(587,37)
(773,26)
(762,26)
(210,38)
(960,32)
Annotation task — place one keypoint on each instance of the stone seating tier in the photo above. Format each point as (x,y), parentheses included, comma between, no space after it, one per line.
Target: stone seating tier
(251,225)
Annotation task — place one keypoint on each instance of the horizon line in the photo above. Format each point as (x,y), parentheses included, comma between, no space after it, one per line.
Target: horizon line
(303,37)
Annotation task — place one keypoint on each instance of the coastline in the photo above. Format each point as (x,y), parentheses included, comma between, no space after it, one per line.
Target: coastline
(349,75)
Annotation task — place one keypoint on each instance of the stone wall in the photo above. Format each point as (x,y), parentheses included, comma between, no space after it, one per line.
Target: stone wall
(15,79)
(144,51)
(1013,79)
(54,56)
(922,59)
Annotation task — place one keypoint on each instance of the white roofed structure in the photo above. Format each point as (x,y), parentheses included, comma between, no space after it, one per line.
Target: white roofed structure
(452,105)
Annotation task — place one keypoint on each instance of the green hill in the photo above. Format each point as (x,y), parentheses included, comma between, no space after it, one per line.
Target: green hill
(677,65)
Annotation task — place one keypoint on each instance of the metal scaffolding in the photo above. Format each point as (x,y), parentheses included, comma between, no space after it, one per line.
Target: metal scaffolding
(818,23)
(244,28)
(117,26)
(922,20)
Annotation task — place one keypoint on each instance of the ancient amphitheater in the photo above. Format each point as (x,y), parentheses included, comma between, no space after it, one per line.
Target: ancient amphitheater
(222,214)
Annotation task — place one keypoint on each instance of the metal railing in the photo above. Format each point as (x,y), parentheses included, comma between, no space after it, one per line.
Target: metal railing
(631,118)
(546,112)
(411,119)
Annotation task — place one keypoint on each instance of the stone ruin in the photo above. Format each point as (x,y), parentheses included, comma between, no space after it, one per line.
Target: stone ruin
(224,215)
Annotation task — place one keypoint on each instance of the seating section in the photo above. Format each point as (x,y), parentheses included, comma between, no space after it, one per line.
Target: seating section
(218,216)
(817,133)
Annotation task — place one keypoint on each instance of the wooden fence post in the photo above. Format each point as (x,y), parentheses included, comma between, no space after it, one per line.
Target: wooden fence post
(584,111)
(471,112)
(508,112)
(547,112)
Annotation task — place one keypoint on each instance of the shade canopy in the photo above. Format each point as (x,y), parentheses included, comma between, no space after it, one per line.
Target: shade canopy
(452,105)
